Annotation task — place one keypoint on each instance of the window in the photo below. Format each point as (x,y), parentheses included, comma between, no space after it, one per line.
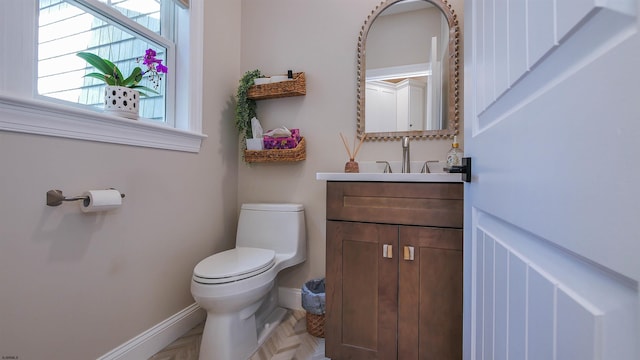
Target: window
(66,28)
(118,30)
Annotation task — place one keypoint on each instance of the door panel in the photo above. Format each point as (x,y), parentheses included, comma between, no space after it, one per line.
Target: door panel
(540,16)
(430,294)
(441,304)
(546,300)
(516,49)
(551,238)
(361,291)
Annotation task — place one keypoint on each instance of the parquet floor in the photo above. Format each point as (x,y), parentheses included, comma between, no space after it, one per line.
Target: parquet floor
(185,348)
(290,341)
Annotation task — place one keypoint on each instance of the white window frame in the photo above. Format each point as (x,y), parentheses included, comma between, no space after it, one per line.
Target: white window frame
(22,110)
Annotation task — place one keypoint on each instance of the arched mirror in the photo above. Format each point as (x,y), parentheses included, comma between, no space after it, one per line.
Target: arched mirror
(408,71)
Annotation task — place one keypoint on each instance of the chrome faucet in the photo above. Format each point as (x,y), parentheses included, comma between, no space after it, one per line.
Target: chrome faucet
(425,167)
(406,162)
(387,167)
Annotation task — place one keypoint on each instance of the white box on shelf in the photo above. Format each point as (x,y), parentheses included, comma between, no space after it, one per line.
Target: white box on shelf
(255,144)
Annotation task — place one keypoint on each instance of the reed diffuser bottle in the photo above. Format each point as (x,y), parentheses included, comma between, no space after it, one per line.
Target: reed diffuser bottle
(352,166)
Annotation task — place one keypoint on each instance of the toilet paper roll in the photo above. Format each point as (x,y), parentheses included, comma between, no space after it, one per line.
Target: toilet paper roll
(101,200)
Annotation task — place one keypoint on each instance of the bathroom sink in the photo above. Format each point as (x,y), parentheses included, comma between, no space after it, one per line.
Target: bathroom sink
(393,177)
(372,171)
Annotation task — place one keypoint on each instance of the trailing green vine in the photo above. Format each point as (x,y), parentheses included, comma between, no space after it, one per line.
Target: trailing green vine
(245,108)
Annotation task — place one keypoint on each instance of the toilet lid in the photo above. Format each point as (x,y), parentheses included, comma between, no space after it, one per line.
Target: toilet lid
(234,265)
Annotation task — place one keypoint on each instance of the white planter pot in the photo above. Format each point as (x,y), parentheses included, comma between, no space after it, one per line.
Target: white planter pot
(122,101)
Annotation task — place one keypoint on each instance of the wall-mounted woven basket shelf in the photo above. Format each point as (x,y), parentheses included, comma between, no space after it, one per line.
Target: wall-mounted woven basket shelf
(298,153)
(295,87)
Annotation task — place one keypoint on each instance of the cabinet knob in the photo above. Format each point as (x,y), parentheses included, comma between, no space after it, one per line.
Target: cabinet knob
(409,253)
(387,251)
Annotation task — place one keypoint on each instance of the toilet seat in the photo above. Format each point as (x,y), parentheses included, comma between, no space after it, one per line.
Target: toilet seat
(233,265)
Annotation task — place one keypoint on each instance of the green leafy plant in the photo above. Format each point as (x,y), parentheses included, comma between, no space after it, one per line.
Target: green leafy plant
(245,107)
(111,75)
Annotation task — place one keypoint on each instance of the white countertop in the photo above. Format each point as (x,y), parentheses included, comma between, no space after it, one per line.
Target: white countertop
(393,177)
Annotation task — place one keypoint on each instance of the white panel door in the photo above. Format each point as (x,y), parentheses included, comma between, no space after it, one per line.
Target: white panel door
(552,215)
(380,108)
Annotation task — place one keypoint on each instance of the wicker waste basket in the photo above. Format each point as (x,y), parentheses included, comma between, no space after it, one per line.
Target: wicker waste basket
(313,301)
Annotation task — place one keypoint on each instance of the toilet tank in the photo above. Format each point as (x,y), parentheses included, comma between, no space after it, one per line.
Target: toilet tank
(280,227)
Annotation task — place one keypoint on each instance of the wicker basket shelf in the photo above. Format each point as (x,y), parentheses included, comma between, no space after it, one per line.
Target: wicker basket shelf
(295,87)
(299,153)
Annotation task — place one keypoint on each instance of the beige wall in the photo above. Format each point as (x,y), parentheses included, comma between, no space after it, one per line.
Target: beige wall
(319,38)
(384,49)
(74,285)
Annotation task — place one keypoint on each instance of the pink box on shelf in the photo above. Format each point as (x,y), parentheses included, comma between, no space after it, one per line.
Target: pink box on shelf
(283,142)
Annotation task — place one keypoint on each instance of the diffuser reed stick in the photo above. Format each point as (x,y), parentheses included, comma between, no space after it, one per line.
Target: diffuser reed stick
(359,145)
(353,155)
(352,166)
(344,141)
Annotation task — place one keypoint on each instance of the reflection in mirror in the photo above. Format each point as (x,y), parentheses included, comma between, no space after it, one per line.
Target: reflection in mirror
(409,77)
(404,78)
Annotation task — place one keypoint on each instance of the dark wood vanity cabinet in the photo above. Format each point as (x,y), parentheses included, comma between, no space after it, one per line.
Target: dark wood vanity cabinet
(394,270)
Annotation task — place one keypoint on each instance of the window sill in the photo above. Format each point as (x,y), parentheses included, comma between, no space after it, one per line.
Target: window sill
(51,119)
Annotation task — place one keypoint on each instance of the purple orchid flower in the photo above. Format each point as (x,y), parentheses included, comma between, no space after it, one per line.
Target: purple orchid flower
(161,68)
(154,67)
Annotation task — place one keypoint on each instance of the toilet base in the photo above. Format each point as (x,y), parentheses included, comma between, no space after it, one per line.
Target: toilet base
(231,338)
(273,320)
(227,337)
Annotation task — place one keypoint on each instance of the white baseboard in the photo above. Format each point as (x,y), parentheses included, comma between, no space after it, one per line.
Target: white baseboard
(290,298)
(158,337)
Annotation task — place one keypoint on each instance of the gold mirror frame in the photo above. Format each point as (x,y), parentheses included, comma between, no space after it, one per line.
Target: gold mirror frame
(454,78)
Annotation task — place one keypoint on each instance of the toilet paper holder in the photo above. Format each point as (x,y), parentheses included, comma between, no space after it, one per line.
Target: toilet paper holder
(55,197)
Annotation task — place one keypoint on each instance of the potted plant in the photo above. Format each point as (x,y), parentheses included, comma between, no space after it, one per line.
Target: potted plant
(122,94)
(245,107)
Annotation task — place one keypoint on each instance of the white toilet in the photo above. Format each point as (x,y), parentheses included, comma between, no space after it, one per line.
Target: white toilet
(237,287)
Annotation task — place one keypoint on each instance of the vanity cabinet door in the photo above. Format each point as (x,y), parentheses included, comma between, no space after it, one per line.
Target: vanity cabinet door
(430,294)
(361,291)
